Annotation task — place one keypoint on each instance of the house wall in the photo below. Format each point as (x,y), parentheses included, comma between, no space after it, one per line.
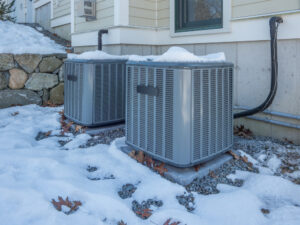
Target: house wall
(104,15)
(61,8)
(244,8)
(142,13)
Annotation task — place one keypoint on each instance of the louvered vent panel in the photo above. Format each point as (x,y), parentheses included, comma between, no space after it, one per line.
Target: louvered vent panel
(213,111)
(129,105)
(142,111)
(150,114)
(169,86)
(197,114)
(98,92)
(159,113)
(112,92)
(135,107)
(205,115)
(220,114)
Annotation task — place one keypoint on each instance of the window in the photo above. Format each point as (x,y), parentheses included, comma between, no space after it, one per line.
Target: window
(191,15)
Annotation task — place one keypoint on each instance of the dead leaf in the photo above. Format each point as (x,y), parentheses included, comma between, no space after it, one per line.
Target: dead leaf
(160,169)
(48,133)
(122,223)
(149,161)
(212,174)
(67,127)
(140,157)
(15,113)
(78,128)
(235,156)
(132,154)
(72,205)
(145,213)
(265,211)
(241,131)
(168,222)
(197,167)
(245,159)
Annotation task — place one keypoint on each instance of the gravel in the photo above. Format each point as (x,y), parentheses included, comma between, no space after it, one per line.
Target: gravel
(127,191)
(105,137)
(139,208)
(187,200)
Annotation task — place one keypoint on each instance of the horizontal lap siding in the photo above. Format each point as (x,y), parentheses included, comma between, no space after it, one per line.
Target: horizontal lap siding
(243,8)
(163,13)
(104,14)
(61,8)
(142,13)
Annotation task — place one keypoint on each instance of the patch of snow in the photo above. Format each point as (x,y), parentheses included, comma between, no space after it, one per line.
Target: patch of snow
(77,141)
(274,163)
(177,54)
(96,55)
(174,54)
(32,173)
(20,39)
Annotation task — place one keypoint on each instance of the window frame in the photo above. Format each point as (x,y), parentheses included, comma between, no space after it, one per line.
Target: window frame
(181,26)
(225,28)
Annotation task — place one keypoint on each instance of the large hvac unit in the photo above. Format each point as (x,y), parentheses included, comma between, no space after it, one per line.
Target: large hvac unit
(179,113)
(95,91)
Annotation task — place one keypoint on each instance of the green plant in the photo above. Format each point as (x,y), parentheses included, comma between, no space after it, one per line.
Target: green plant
(6,9)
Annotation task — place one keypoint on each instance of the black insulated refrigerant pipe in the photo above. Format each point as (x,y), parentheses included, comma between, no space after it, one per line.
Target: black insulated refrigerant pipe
(274,23)
(100,38)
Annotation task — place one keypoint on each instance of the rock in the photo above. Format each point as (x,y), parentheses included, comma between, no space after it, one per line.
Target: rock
(6,62)
(18,97)
(39,81)
(17,78)
(61,74)
(57,95)
(50,64)
(28,62)
(3,81)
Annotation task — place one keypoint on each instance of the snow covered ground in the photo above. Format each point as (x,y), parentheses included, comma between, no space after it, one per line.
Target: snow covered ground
(32,173)
(19,39)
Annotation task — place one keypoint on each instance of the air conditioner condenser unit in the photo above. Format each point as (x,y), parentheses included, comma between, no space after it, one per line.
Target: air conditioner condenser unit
(94,91)
(179,113)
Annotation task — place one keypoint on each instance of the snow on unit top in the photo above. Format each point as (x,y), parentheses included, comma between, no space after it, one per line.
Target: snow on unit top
(174,54)
(96,55)
(20,39)
(177,54)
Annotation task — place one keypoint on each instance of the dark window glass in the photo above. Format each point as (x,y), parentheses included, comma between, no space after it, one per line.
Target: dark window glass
(198,14)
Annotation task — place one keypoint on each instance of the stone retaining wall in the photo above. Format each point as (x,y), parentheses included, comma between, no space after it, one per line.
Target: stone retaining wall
(31,79)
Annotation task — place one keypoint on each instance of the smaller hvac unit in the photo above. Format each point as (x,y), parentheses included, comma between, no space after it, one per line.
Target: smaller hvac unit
(179,113)
(87,9)
(95,91)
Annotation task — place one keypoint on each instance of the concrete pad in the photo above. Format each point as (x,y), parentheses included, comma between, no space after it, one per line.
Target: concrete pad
(185,176)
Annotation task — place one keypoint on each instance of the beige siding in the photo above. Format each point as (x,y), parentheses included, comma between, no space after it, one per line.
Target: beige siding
(61,8)
(242,8)
(104,14)
(163,13)
(142,13)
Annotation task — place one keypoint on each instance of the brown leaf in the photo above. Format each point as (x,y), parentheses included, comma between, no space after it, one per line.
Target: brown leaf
(15,113)
(48,133)
(67,127)
(122,223)
(212,174)
(197,167)
(145,213)
(140,157)
(265,211)
(168,222)
(149,161)
(78,128)
(132,154)
(235,156)
(72,205)
(160,169)
(245,159)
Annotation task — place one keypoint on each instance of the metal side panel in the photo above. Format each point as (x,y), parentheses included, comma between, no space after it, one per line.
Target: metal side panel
(182,105)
